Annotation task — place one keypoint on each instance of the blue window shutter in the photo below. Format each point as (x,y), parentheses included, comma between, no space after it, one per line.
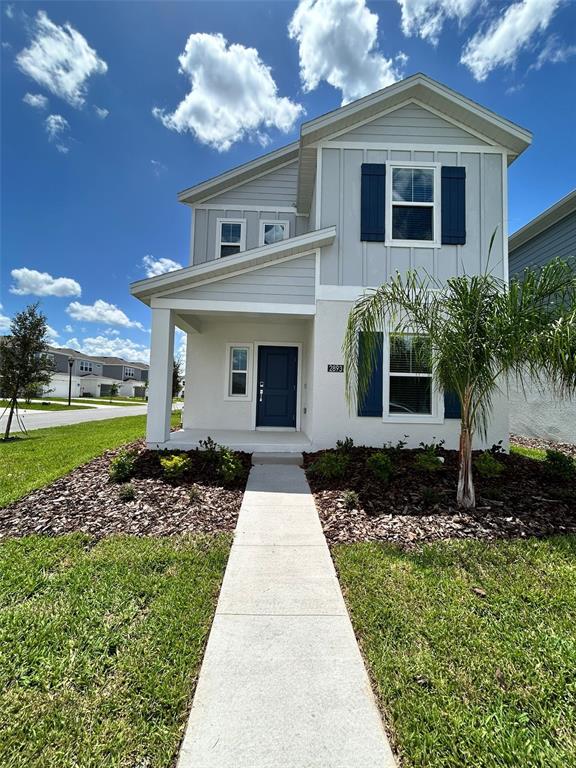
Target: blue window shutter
(451,405)
(372,402)
(453,205)
(372,202)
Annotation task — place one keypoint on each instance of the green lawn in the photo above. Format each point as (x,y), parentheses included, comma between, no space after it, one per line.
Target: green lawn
(484,679)
(36,459)
(45,406)
(100,645)
(102,400)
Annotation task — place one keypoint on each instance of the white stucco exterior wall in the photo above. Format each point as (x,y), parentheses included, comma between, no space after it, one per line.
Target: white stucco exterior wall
(537,413)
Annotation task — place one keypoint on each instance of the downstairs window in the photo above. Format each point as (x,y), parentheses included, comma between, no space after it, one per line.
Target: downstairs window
(410,375)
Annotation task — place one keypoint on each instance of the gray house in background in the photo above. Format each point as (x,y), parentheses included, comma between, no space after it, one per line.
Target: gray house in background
(94,376)
(550,235)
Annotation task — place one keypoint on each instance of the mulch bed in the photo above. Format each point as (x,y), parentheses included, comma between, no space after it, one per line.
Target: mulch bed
(418,507)
(86,500)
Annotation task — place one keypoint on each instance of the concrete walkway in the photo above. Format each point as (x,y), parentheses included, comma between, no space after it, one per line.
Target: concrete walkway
(282,684)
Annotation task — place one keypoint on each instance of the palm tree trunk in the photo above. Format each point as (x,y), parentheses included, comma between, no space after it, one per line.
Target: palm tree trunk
(465,497)
(13,403)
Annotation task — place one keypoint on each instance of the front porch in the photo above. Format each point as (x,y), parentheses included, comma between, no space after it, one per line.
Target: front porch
(250,441)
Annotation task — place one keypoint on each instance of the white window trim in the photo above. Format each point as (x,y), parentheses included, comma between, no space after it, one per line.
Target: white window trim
(129,372)
(437,402)
(436,242)
(228,377)
(85,366)
(263,223)
(219,223)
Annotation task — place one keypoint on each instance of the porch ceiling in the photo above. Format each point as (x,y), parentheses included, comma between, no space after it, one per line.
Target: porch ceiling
(191,322)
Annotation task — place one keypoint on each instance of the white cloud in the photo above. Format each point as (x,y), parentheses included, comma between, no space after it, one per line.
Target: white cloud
(30,282)
(101,312)
(51,334)
(233,94)
(555,52)
(337,43)
(60,59)
(35,100)
(68,329)
(57,128)
(154,267)
(501,42)
(4,321)
(9,11)
(116,347)
(101,112)
(425,18)
(158,167)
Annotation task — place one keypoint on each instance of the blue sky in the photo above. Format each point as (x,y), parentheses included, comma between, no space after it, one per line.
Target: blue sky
(110,131)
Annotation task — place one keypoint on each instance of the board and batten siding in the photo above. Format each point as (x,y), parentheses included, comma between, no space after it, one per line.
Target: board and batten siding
(558,241)
(290,282)
(410,124)
(349,261)
(206,224)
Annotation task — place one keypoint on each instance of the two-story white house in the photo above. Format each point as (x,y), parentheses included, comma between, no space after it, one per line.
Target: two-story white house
(412,176)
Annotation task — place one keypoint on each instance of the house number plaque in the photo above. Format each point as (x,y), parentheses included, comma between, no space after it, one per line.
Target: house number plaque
(335,368)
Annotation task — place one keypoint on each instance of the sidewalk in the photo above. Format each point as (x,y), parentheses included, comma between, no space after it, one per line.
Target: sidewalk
(282,683)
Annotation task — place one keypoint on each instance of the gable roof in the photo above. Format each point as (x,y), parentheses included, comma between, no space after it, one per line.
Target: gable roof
(419,88)
(564,207)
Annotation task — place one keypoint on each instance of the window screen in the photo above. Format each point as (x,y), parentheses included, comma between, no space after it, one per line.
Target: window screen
(274,233)
(410,375)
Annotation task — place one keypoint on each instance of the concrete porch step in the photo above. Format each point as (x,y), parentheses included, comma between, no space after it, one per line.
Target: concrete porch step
(277,458)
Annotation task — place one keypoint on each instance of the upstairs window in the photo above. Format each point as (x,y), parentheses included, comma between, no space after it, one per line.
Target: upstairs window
(410,390)
(230,237)
(85,366)
(273,231)
(413,205)
(129,373)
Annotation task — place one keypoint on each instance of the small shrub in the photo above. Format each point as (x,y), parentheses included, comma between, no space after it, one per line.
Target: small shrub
(558,467)
(351,500)
(345,446)
(229,465)
(210,448)
(195,494)
(122,466)
(126,492)
(174,467)
(430,497)
(395,448)
(428,460)
(380,465)
(330,466)
(487,465)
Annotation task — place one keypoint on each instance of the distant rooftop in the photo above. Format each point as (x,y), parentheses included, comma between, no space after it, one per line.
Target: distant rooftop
(98,359)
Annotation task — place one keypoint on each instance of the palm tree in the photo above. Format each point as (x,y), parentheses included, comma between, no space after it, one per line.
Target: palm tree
(482,333)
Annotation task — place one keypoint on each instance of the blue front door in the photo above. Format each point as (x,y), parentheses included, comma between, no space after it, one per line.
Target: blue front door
(276,386)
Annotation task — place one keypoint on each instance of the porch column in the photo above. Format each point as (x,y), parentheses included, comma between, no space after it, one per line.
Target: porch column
(160,376)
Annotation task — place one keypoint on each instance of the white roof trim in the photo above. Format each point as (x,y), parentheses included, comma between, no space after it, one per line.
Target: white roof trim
(564,207)
(220,268)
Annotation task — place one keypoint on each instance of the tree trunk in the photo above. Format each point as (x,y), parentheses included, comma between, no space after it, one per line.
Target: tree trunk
(466,497)
(13,403)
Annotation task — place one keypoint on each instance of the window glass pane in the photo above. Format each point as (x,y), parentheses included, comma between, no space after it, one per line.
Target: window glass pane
(239,359)
(413,185)
(402,184)
(410,354)
(410,394)
(229,250)
(231,233)
(273,233)
(411,222)
(238,384)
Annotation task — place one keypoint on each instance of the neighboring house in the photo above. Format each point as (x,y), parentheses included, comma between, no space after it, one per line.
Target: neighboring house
(414,175)
(94,376)
(550,235)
